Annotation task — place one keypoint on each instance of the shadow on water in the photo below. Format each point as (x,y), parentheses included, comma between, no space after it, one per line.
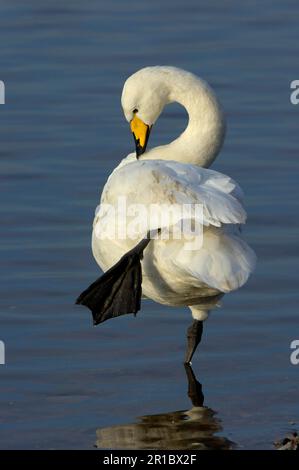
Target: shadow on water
(195,428)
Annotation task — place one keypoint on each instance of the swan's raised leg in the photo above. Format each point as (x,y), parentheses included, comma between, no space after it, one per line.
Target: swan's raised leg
(194,334)
(118,291)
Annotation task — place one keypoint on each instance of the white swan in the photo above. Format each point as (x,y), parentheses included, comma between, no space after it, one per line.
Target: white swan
(172,174)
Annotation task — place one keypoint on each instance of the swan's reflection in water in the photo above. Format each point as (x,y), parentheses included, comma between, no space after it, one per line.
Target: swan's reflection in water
(192,429)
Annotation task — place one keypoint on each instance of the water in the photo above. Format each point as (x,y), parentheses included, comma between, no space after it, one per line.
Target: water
(69,385)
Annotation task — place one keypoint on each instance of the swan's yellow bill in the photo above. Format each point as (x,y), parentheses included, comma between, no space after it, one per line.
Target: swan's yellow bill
(141,133)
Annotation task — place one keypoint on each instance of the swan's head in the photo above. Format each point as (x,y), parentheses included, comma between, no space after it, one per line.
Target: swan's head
(146,93)
(143,99)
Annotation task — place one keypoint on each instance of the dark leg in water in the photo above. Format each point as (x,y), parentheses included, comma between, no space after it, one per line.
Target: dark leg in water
(195,392)
(118,291)
(194,333)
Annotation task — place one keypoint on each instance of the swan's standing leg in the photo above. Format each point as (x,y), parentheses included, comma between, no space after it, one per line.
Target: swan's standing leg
(200,313)
(194,334)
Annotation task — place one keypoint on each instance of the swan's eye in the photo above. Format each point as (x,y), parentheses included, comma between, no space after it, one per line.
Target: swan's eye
(135,111)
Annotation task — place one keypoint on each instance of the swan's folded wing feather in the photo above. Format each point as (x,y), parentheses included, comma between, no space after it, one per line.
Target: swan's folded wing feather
(159,182)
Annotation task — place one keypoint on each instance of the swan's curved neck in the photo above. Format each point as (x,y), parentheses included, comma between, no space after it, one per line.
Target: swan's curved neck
(201,141)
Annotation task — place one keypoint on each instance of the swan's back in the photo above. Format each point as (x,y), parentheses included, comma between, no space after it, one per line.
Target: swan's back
(171,270)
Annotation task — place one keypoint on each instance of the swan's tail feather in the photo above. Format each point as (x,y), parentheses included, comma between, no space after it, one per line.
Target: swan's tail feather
(118,291)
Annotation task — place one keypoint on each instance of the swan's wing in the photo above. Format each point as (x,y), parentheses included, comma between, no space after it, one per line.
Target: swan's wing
(224,261)
(160,182)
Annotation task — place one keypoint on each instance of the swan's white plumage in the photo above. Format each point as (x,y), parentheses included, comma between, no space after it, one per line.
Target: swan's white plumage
(169,182)
(171,274)
(224,261)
